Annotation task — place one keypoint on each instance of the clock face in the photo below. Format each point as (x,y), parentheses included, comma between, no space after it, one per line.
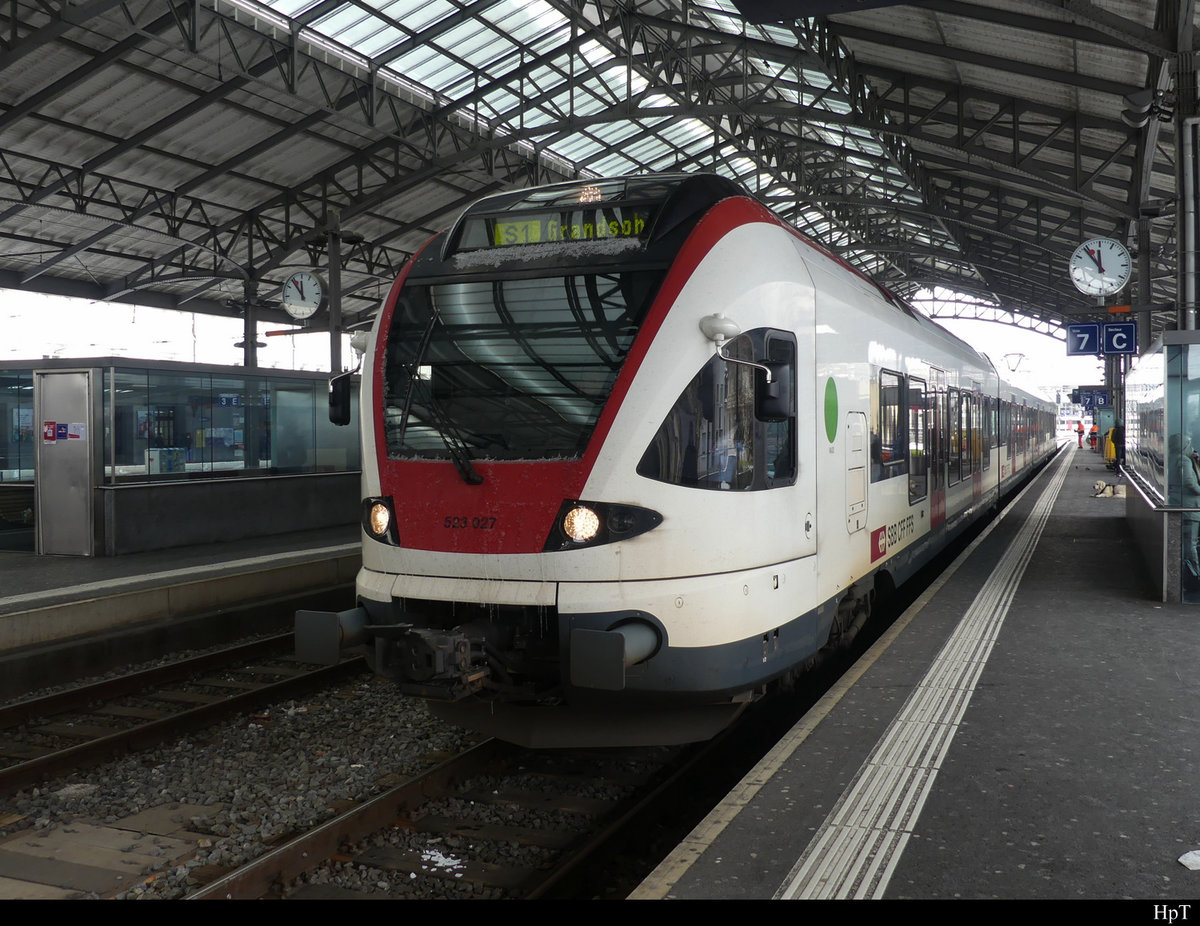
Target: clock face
(1100,267)
(302,294)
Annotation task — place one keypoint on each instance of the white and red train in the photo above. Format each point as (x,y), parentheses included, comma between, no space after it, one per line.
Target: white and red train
(635,450)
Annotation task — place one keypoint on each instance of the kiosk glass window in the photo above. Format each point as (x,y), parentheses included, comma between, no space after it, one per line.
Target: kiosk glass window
(168,424)
(1183,459)
(16,420)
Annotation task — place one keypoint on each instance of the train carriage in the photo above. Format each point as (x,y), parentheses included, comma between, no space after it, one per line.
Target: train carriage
(635,450)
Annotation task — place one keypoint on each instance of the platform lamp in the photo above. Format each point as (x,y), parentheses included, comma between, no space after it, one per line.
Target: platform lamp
(1142,105)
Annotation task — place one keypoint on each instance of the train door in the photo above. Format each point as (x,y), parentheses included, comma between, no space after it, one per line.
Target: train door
(973,411)
(954,449)
(791,439)
(937,447)
(855,429)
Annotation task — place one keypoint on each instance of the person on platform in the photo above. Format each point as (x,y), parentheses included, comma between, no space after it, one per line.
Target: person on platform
(1183,455)
(1079,431)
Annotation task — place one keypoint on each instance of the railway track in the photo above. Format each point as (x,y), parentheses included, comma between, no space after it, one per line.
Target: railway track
(495,821)
(47,736)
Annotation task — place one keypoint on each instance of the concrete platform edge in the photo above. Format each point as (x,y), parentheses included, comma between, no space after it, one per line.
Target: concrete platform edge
(64,620)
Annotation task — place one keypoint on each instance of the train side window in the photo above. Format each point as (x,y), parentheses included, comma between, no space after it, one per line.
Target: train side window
(989,430)
(889,451)
(780,428)
(969,445)
(956,437)
(937,431)
(918,452)
(714,437)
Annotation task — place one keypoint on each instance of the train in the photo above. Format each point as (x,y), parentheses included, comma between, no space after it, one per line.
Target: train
(636,452)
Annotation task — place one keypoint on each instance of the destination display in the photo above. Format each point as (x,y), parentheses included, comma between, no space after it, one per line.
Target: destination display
(547,228)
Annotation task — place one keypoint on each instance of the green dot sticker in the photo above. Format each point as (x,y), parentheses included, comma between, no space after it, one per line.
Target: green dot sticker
(831,410)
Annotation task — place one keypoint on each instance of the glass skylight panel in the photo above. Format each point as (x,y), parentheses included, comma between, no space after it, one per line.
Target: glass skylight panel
(417,60)
(834,103)
(863,135)
(585,103)
(438,73)
(500,103)
(579,147)
(617,80)
(787,93)
(532,119)
(725,21)
(687,132)
(647,149)
(614,132)
(542,79)
(534,14)
(747,170)
(293,8)
(777,34)
(593,52)
(538,32)
(575,147)
(615,165)
(417,15)
(665,160)
(476,43)
(368,36)
(862,162)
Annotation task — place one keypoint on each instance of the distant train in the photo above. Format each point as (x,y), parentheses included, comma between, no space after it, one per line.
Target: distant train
(635,450)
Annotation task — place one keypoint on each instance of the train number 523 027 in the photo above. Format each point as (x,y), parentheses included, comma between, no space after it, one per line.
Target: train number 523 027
(480,523)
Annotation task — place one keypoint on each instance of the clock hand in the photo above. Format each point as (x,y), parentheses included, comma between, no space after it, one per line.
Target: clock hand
(1095,256)
(300,289)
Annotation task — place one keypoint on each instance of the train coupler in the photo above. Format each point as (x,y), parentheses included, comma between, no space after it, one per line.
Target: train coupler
(434,664)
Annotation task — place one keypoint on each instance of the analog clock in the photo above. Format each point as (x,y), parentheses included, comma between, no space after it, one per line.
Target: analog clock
(302,294)
(1100,267)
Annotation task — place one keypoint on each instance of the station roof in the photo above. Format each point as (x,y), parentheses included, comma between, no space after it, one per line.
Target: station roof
(185,153)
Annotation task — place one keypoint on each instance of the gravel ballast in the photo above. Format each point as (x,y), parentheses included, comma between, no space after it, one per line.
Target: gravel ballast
(259,777)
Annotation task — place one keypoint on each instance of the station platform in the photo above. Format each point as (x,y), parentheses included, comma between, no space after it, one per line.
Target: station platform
(59,605)
(1027,729)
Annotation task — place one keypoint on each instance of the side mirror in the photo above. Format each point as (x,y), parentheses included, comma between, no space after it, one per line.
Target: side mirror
(774,401)
(339,398)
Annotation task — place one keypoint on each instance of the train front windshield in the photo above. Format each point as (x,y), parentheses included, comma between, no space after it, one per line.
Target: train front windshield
(514,369)
(512,329)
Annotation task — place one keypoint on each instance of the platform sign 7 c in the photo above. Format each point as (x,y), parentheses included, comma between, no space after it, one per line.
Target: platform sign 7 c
(1109,338)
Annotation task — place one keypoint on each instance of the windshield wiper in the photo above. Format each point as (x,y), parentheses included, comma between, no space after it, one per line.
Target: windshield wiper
(455,445)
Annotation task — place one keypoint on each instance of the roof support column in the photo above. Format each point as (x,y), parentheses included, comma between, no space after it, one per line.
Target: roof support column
(335,293)
(1144,290)
(1186,121)
(250,325)
(1187,231)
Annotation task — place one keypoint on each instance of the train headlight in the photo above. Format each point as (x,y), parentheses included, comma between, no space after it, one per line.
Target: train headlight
(378,520)
(581,524)
(588,524)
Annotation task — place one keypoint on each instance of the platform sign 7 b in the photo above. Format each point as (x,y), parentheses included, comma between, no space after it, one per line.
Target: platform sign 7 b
(1083,339)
